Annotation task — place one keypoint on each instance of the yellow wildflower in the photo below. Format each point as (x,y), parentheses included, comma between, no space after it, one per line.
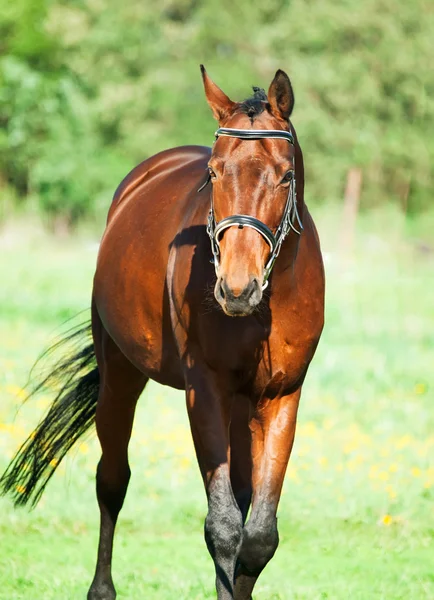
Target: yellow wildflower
(403,441)
(83,448)
(383,475)
(420,388)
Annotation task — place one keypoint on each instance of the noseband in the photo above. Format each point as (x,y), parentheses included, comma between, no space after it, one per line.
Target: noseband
(290,214)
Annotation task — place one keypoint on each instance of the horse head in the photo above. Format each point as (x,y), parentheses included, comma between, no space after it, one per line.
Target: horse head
(252,170)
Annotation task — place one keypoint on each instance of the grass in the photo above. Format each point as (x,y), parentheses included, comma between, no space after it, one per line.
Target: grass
(356,517)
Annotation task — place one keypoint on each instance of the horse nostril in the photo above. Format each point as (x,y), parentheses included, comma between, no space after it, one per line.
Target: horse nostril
(253,288)
(240,301)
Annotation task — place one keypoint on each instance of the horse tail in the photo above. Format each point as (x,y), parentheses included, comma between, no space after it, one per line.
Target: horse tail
(75,379)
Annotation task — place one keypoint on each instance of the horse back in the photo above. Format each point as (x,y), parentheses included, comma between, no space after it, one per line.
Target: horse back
(160,168)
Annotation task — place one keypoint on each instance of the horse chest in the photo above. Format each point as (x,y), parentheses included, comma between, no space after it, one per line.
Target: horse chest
(253,351)
(283,366)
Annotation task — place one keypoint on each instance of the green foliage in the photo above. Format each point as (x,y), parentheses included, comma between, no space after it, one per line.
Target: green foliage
(90,87)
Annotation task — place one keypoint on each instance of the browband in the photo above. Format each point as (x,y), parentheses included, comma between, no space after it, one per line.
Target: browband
(255,134)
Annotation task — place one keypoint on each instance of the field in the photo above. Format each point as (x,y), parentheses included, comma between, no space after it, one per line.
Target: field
(357,513)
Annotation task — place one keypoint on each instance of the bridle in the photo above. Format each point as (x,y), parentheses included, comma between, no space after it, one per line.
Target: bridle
(290,213)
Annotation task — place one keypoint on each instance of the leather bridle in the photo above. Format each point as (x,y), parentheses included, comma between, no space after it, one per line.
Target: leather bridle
(290,213)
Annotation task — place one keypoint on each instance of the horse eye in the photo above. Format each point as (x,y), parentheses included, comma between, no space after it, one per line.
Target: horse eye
(289,176)
(211,173)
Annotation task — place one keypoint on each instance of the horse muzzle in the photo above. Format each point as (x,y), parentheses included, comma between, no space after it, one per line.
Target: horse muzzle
(239,301)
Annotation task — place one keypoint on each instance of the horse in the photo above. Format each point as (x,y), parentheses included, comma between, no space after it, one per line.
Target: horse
(209,279)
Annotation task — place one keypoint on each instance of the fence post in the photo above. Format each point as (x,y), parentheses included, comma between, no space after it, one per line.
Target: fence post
(351,208)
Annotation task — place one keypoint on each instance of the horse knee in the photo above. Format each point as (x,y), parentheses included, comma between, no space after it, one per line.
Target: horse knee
(260,541)
(223,532)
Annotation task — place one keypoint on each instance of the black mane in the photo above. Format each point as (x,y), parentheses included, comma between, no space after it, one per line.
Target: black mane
(255,105)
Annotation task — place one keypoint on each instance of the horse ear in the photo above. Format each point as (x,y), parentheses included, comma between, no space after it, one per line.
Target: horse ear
(281,96)
(219,103)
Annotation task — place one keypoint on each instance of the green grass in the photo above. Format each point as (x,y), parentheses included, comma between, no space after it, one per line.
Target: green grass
(356,518)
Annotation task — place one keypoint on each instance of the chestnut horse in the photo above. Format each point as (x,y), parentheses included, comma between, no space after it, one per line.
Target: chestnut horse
(209,279)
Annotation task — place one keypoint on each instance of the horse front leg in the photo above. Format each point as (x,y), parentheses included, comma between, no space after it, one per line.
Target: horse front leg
(209,413)
(273,429)
(241,453)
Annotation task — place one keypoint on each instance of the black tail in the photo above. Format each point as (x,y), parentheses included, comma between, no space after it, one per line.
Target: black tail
(75,378)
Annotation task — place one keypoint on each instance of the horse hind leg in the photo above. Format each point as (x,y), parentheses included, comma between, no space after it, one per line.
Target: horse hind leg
(121,386)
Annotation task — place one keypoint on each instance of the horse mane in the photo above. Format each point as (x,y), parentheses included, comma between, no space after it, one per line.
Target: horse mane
(254,105)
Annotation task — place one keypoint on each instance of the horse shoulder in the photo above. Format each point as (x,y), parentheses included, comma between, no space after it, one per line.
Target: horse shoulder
(298,314)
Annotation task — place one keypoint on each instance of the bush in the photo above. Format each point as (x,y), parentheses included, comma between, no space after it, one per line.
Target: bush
(88,89)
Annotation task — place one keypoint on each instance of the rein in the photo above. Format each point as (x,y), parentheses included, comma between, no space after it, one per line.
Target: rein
(290,213)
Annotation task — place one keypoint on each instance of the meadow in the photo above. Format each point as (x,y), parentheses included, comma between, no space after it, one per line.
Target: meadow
(356,517)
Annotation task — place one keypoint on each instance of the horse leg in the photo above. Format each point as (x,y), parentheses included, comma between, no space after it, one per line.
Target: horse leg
(209,413)
(273,430)
(240,453)
(121,386)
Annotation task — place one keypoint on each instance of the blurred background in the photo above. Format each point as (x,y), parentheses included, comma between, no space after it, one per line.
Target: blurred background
(89,88)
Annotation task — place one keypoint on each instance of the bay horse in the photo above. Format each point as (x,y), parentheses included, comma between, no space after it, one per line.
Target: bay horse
(209,279)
